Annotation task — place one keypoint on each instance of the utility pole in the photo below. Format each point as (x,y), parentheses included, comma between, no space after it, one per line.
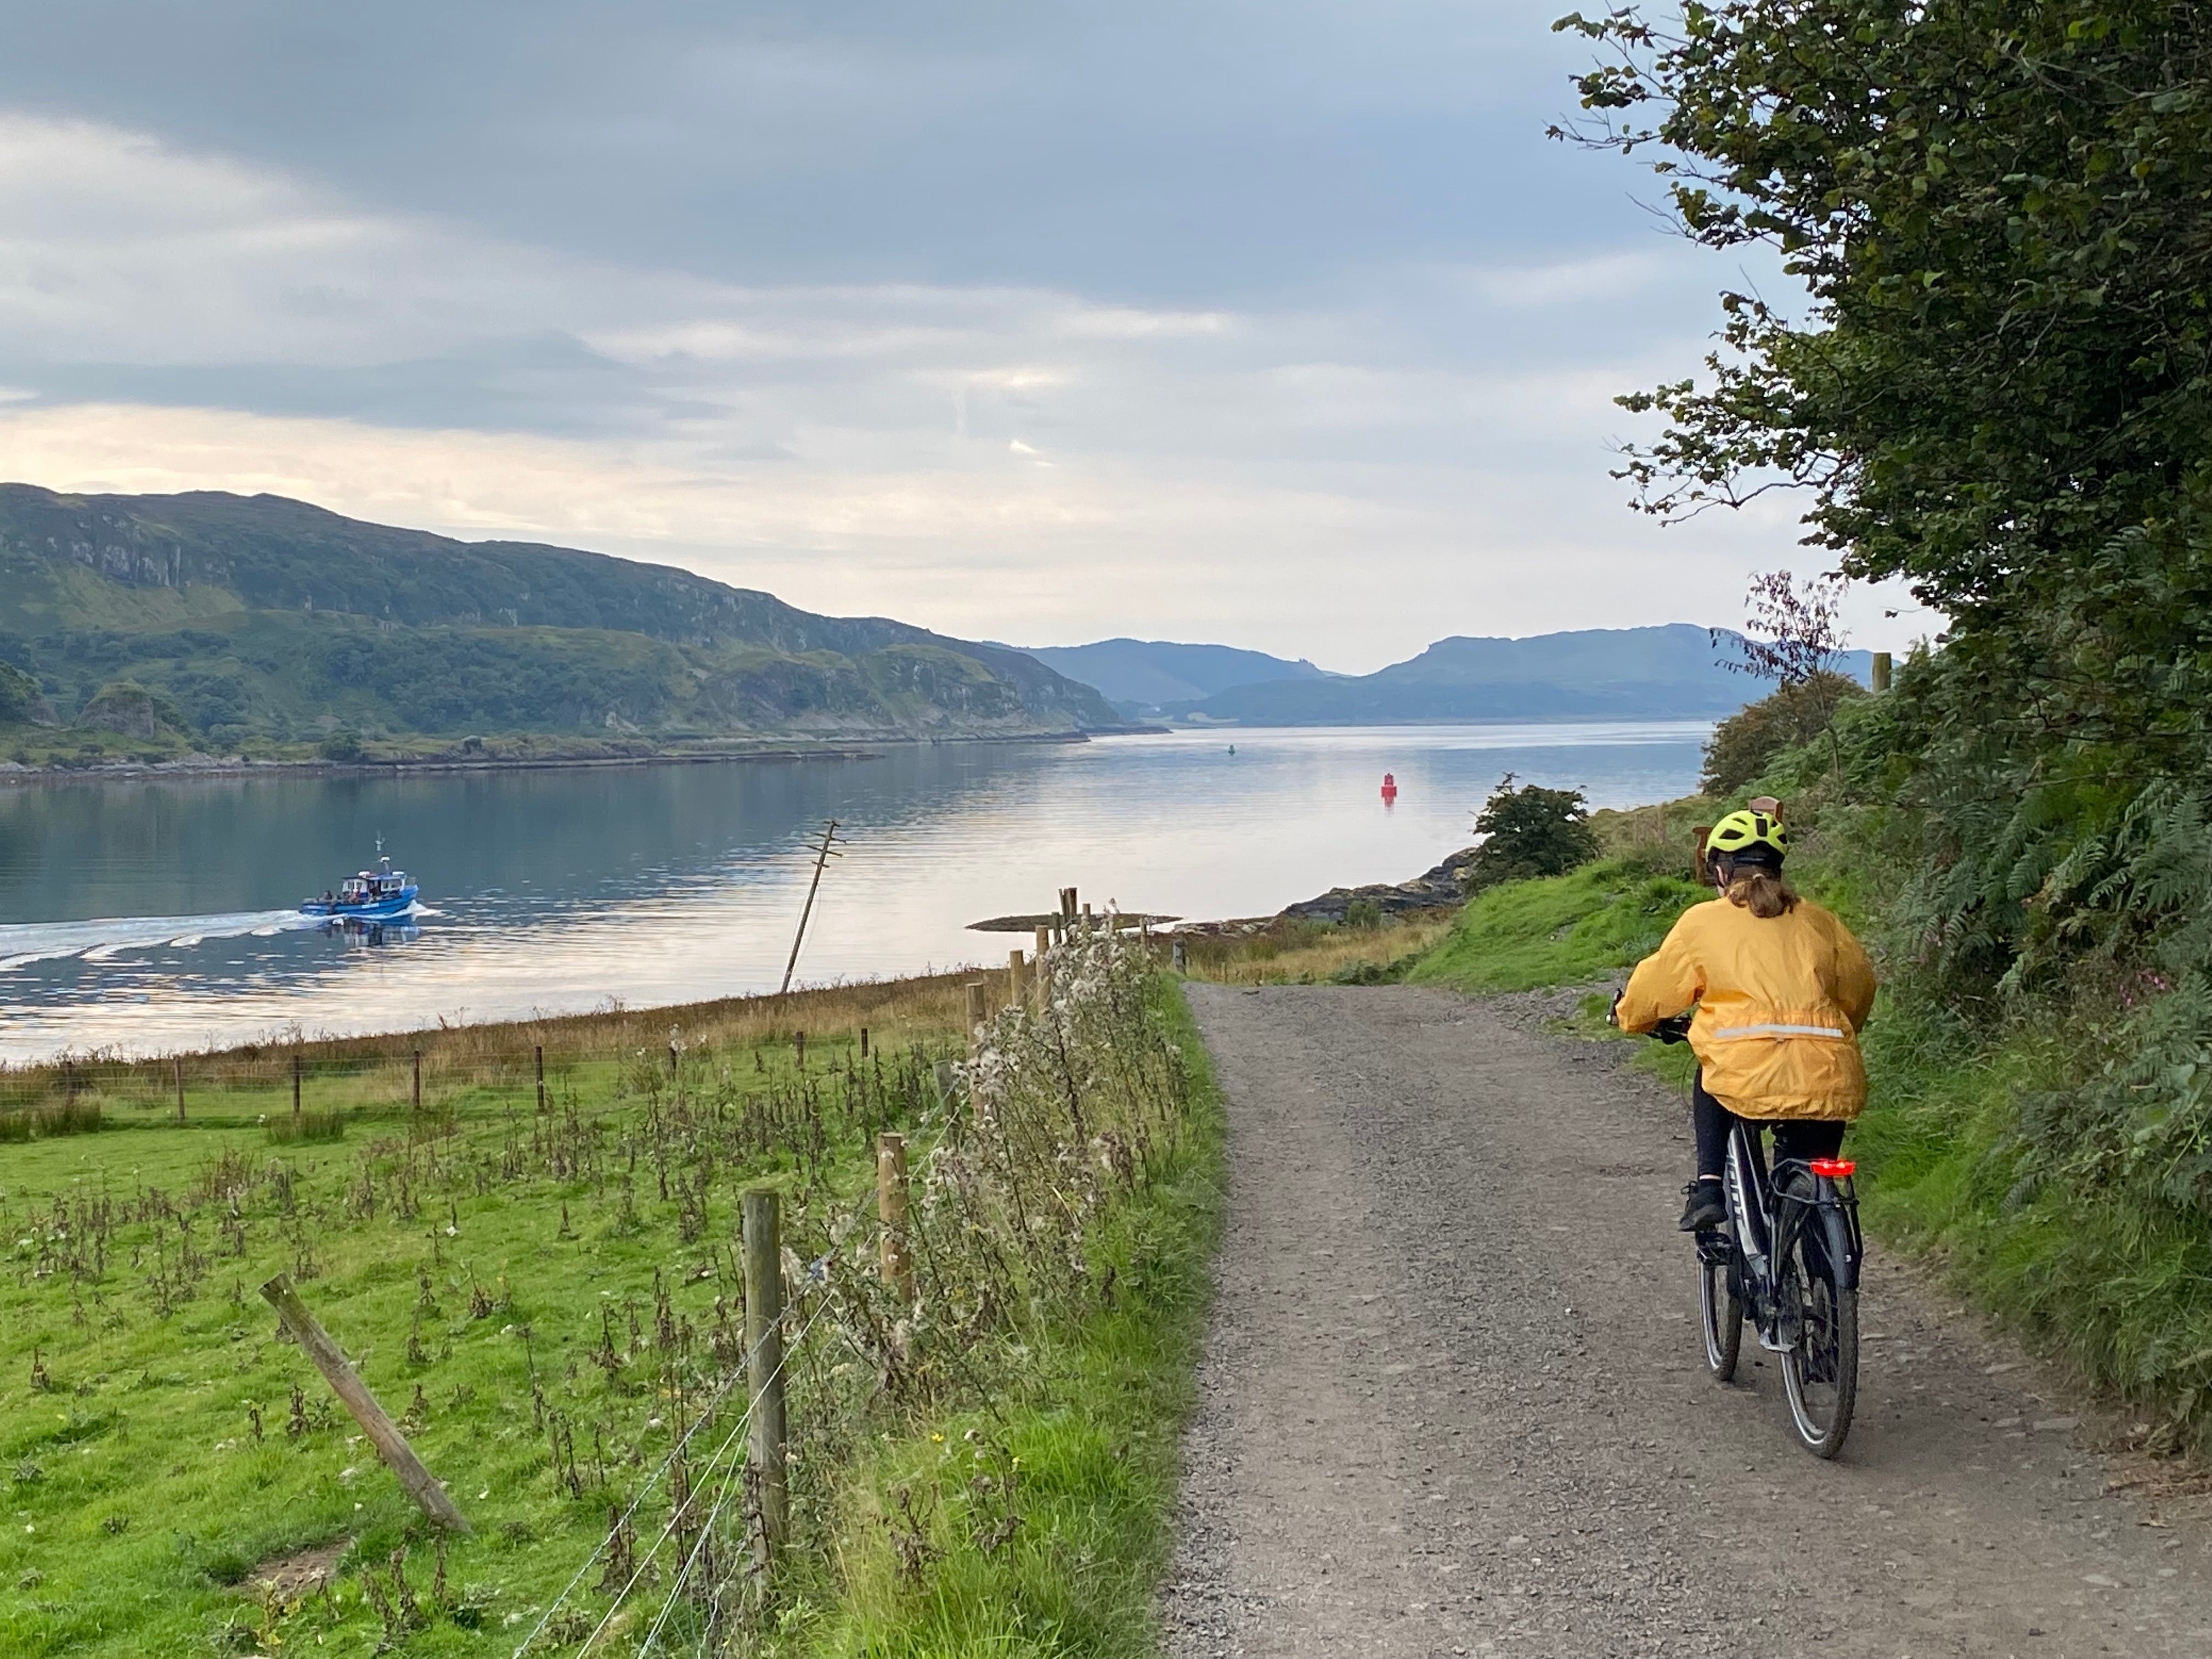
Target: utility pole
(822,853)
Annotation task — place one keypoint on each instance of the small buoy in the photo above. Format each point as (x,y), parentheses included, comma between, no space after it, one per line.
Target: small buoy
(1232,748)
(1390,787)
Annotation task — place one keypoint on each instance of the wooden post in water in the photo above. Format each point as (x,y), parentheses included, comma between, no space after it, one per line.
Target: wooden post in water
(346,1384)
(1017,980)
(1879,677)
(763,1251)
(180,1088)
(540,1053)
(297,1065)
(890,1210)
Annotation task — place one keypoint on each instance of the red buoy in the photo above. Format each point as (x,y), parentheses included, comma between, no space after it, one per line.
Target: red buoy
(1390,787)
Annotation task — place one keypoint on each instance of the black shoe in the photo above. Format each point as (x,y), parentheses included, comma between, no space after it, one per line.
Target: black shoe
(1705,1208)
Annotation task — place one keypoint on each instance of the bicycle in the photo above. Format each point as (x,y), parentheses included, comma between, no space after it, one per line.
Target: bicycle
(1787,1262)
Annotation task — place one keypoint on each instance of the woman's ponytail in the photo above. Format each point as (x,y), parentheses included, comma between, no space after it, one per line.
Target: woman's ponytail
(1763,891)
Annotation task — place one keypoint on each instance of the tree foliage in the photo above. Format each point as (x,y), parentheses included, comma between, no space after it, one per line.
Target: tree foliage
(1998,390)
(1530,831)
(1743,745)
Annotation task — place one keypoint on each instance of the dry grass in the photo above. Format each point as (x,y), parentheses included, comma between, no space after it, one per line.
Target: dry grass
(375,1074)
(1306,953)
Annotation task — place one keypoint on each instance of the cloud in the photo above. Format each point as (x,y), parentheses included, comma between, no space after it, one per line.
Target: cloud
(1385,413)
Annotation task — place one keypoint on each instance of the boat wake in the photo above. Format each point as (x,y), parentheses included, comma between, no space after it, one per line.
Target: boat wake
(103,939)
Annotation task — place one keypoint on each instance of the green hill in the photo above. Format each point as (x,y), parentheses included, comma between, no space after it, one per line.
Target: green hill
(216,621)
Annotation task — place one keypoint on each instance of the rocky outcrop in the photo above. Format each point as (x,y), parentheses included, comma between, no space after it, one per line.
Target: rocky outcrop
(1438,889)
(129,708)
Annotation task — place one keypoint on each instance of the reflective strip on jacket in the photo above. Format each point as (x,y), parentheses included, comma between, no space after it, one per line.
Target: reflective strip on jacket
(1779,1000)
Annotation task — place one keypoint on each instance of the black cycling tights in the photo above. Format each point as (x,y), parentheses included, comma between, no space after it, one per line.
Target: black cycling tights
(1802,1137)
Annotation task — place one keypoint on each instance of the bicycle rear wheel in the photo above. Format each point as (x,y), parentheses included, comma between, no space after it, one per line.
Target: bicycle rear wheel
(1821,1366)
(1721,1310)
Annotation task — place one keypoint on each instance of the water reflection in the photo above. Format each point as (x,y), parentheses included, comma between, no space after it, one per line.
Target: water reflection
(564,889)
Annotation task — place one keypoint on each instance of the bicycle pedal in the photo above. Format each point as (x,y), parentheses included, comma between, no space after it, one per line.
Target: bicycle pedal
(1773,1342)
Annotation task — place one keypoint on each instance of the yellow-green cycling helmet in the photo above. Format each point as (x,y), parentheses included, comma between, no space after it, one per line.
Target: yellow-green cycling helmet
(1758,835)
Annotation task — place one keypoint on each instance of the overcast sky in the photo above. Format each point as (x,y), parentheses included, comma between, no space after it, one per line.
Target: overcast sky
(1277,324)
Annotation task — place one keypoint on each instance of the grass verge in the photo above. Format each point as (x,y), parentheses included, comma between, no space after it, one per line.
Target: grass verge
(1041,1527)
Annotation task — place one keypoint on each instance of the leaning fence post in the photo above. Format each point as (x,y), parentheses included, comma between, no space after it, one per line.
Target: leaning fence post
(890,1210)
(421,1485)
(763,1249)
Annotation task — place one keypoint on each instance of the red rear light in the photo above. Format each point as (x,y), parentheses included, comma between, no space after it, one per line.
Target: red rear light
(1834,1168)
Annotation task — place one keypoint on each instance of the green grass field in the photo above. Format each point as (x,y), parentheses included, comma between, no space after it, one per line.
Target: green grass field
(543,1298)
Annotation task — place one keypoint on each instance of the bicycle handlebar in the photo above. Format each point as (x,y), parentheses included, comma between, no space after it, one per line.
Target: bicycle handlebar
(1674,1030)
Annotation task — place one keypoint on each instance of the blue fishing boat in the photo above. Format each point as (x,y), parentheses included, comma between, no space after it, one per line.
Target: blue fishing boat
(375,895)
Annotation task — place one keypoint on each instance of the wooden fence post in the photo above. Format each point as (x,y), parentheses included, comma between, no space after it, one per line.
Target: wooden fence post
(1017,980)
(799,1047)
(296,1068)
(864,1042)
(975,1015)
(1043,977)
(763,1249)
(1879,677)
(541,1077)
(418,1079)
(180,1088)
(1182,960)
(421,1485)
(890,1210)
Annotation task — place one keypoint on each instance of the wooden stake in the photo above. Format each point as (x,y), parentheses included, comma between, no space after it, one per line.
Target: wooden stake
(890,1210)
(541,1077)
(1880,674)
(821,857)
(418,1079)
(799,1047)
(764,1248)
(975,1015)
(1017,980)
(180,1088)
(1043,968)
(346,1384)
(296,1066)
(864,1042)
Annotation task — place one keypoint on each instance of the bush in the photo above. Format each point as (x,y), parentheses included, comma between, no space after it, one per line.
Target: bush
(1743,745)
(341,747)
(1530,831)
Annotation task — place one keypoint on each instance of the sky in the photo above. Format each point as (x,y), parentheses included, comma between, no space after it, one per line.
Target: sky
(1280,326)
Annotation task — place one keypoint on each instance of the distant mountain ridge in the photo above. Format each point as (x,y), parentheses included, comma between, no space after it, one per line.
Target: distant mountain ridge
(266,618)
(1671,671)
(1152,673)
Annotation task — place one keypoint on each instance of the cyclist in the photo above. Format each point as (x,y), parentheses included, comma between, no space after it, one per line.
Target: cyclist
(1779,990)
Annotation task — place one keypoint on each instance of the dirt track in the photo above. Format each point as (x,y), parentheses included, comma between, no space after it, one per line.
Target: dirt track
(1453,1400)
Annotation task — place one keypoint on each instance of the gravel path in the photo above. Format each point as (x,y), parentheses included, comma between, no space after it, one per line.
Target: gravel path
(1453,1401)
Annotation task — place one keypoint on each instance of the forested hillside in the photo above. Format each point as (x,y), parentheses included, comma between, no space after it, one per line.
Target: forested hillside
(2000,393)
(218,620)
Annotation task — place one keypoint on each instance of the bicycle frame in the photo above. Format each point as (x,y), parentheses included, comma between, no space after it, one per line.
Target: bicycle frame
(1767,1215)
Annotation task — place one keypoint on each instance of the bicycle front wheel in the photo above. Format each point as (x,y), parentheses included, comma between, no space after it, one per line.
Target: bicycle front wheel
(1722,1311)
(1821,1366)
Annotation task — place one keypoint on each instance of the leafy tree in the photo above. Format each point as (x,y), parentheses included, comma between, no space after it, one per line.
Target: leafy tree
(1743,745)
(1998,387)
(1531,832)
(20,700)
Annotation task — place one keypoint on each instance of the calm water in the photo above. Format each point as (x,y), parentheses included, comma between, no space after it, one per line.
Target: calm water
(151,915)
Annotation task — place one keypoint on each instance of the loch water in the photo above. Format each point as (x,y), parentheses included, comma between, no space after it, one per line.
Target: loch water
(145,916)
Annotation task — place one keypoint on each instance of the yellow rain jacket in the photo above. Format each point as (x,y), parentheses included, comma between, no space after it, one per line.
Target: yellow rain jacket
(1779,1004)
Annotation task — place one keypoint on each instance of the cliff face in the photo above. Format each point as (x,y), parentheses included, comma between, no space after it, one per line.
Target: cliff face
(262,616)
